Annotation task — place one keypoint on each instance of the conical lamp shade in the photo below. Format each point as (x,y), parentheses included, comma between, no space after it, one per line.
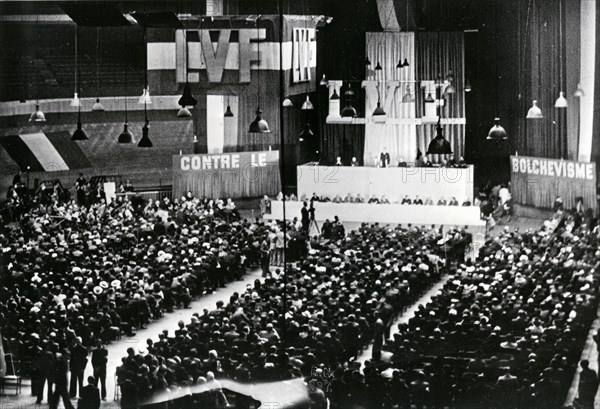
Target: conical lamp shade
(145,142)
(468,86)
(259,125)
(183,113)
(367,61)
(75,102)
(79,134)
(579,91)
(37,115)
(378,67)
(306,133)
(450,89)
(97,107)
(126,137)
(307,105)
(399,65)
(497,131)
(228,113)
(439,145)
(561,101)
(334,95)
(405,63)
(323,80)
(429,98)
(187,99)
(145,97)
(379,110)
(534,112)
(287,103)
(349,110)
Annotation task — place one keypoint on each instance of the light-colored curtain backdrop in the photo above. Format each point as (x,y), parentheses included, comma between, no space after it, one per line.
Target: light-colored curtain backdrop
(400,140)
(440,54)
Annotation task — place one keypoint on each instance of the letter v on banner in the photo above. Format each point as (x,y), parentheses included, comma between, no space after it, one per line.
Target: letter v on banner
(215,59)
(390,94)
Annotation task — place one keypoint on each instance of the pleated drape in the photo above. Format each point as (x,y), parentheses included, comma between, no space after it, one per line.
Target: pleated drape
(400,140)
(345,141)
(438,54)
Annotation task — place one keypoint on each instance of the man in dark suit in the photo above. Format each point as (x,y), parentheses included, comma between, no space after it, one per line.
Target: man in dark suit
(90,395)
(304,218)
(384,158)
(99,360)
(78,363)
(61,374)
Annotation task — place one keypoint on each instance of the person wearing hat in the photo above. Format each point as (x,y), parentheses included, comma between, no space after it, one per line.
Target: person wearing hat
(90,395)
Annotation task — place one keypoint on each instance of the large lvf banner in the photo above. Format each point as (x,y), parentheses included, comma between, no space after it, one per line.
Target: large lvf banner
(539,181)
(213,47)
(235,175)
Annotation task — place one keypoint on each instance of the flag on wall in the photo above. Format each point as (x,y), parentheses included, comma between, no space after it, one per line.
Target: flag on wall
(44,152)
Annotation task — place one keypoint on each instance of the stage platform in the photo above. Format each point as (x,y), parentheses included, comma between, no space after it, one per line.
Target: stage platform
(394,183)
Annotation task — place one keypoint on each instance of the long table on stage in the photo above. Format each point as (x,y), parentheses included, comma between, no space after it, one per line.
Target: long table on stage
(395,183)
(383,213)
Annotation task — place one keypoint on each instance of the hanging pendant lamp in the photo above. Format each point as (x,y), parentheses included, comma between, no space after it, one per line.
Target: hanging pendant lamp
(307,105)
(79,134)
(126,137)
(37,115)
(323,80)
(405,63)
(259,125)
(306,133)
(367,61)
(349,110)
(184,113)
(429,98)
(379,110)
(228,112)
(187,99)
(145,97)
(75,102)
(497,131)
(579,91)
(378,67)
(335,94)
(467,86)
(534,112)
(561,101)
(287,103)
(145,142)
(450,89)
(439,145)
(97,107)
(400,64)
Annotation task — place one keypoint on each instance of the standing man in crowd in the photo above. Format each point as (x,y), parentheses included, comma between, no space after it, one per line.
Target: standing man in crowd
(588,385)
(99,361)
(78,363)
(61,376)
(304,218)
(90,395)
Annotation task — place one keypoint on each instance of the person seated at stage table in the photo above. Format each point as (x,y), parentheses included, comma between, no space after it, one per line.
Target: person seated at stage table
(418,201)
(359,199)
(325,199)
(428,202)
(442,202)
(467,202)
(461,163)
(303,198)
(280,196)
(384,158)
(291,198)
(314,198)
(406,200)
(453,202)
(402,163)
(337,199)
(384,200)
(451,161)
(265,205)
(338,161)
(349,198)
(424,162)
(373,199)
(354,161)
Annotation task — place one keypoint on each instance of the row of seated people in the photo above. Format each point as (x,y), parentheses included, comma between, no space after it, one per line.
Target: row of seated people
(383,161)
(406,200)
(310,320)
(507,331)
(70,271)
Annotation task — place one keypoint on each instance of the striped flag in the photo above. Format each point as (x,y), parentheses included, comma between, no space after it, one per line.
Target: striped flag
(44,152)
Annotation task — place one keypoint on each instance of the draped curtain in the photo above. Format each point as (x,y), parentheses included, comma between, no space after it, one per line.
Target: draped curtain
(438,54)
(345,141)
(400,140)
